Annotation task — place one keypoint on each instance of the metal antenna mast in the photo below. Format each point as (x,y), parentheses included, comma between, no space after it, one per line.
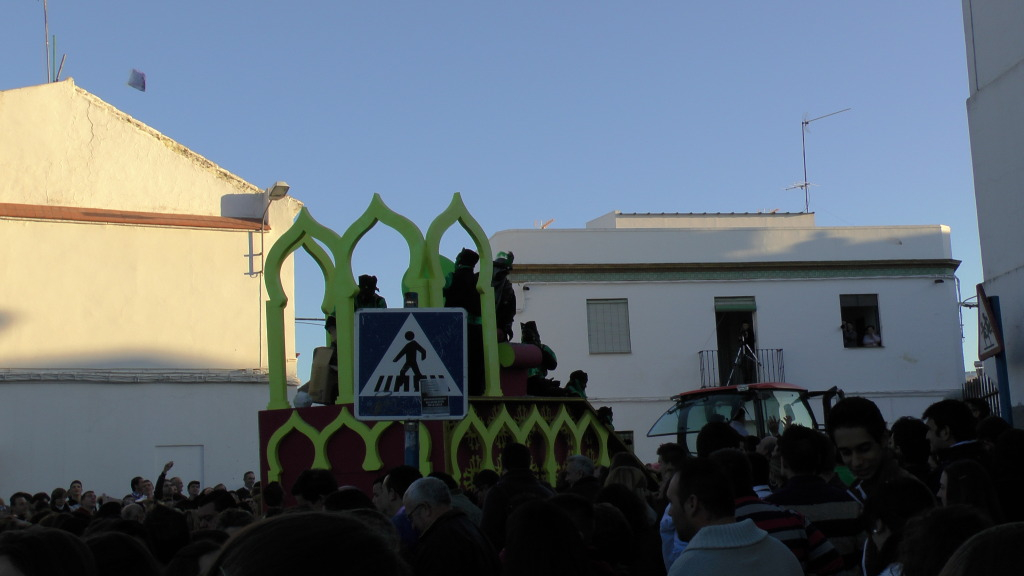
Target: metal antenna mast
(805,185)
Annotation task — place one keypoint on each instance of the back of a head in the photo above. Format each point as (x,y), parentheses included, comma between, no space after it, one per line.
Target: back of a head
(716,436)
(117,553)
(633,508)
(516,456)
(167,532)
(400,478)
(897,501)
(857,412)
(233,519)
(273,494)
(311,544)
(348,498)
(672,453)
(47,552)
(990,428)
(187,561)
(968,482)
(992,552)
(931,538)
(430,490)
(447,478)
(580,511)
(736,466)
(542,540)
(485,479)
(801,450)
(314,485)
(955,415)
(705,479)
(582,463)
(909,434)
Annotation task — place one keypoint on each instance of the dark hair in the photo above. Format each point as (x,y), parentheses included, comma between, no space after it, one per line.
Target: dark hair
(672,453)
(980,406)
(117,553)
(626,501)
(909,434)
(992,552)
(109,510)
(990,428)
(801,450)
(580,511)
(166,531)
(543,541)
(47,552)
(400,478)
(893,504)
(516,456)
(737,467)
(17,495)
(857,412)
(273,495)
(193,482)
(221,499)
(931,538)
(955,415)
(233,518)
(968,482)
(135,483)
(485,479)
(447,478)
(186,561)
(348,498)
(308,543)
(717,435)
(314,485)
(705,479)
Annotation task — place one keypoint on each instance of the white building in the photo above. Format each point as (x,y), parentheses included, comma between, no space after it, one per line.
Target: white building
(650,305)
(131,324)
(995,112)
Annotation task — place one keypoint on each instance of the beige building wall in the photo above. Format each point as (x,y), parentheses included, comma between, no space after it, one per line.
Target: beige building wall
(132,317)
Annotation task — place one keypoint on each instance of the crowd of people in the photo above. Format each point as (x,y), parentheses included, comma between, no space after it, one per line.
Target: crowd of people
(938,495)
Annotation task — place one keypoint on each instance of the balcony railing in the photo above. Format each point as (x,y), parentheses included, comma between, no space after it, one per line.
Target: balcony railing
(715,372)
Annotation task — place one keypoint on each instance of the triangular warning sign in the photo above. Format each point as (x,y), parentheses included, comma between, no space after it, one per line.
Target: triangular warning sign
(410,367)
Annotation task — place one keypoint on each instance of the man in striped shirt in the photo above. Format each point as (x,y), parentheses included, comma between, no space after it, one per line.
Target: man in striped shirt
(811,547)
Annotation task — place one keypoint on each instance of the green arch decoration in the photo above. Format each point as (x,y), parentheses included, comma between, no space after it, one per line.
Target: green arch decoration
(305,233)
(457,212)
(345,287)
(521,431)
(319,438)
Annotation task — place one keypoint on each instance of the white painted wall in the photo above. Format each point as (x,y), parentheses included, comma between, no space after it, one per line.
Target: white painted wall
(124,343)
(995,113)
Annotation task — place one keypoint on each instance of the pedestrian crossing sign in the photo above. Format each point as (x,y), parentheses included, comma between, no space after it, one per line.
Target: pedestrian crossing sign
(410,364)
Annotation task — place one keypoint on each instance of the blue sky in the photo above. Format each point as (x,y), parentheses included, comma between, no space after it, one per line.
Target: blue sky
(540,110)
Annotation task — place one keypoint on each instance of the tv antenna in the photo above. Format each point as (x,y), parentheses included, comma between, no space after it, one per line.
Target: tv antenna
(805,185)
(52,71)
(542,225)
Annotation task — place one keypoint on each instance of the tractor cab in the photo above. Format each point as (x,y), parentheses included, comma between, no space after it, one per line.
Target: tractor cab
(759,409)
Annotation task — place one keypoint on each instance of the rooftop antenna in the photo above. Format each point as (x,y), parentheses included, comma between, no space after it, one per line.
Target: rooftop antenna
(46,40)
(542,225)
(50,55)
(805,185)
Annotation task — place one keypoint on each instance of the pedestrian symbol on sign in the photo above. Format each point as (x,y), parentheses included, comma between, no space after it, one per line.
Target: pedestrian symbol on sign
(406,364)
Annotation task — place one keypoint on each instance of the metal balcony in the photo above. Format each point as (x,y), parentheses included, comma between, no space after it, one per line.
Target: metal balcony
(714,371)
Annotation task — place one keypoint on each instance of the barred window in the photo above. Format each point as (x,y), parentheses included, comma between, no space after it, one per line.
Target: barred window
(608,326)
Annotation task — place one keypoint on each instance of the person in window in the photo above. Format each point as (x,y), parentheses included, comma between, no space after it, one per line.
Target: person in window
(871,338)
(849,335)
